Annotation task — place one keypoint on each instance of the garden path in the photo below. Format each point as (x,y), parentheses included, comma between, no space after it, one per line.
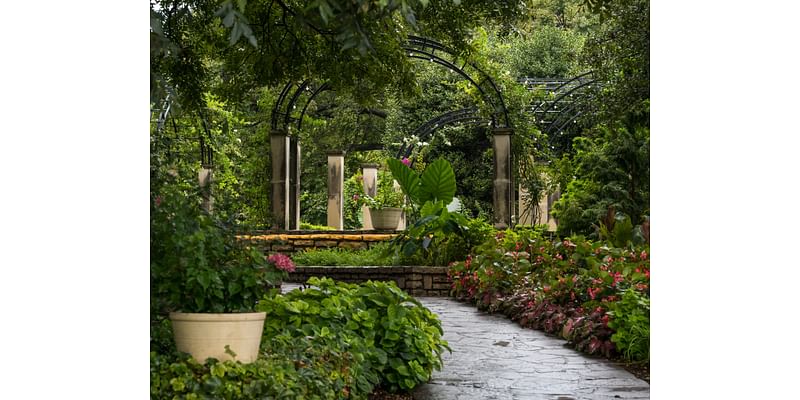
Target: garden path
(494,358)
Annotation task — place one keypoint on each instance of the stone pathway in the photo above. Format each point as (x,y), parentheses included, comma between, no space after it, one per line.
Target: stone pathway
(494,358)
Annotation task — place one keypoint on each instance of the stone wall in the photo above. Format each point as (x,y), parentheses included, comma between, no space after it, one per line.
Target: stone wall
(416,281)
(289,243)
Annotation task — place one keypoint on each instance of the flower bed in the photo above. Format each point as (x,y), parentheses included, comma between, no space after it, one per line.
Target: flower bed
(595,296)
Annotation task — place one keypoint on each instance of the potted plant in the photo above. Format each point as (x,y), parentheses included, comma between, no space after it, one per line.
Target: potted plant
(206,282)
(386,206)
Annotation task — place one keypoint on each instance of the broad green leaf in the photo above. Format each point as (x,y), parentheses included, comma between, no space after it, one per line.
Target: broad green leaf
(408,179)
(438,182)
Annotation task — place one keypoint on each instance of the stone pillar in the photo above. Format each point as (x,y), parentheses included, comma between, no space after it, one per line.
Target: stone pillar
(294,183)
(370,175)
(205,177)
(336,189)
(503,199)
(279,146)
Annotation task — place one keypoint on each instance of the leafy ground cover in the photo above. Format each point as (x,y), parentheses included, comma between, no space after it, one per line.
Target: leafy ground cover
(590,293)
(331,341)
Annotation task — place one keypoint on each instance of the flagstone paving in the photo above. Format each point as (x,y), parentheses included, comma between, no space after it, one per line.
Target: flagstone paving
(494,358)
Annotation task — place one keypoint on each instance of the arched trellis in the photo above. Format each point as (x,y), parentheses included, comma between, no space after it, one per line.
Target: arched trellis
(558,115)
(426,130)
(286,148)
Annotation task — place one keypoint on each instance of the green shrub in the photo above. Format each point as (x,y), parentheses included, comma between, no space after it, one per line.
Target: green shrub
(399,338)
(376,255)
(311,227)
(289,368)
(630,318)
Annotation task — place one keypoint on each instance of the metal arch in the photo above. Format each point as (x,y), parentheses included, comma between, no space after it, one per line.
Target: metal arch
(293,102)
(416,47)
(324,87)
(558,99)
(282,110)
(565,112)
(276,109)
(424,131)
(416,44)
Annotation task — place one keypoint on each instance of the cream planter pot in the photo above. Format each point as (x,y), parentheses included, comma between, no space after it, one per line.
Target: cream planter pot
(386,218)
(205,335)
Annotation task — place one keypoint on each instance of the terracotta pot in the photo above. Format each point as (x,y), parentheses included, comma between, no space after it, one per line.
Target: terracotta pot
(205,335)
(385,218)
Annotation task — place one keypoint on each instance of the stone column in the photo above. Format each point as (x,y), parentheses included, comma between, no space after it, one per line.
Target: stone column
(370,174)
(503,199)
(336,189)
(279,146)
(205,177)
(294,183)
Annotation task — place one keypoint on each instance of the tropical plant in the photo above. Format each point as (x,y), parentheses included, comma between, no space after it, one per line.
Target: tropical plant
(436,184)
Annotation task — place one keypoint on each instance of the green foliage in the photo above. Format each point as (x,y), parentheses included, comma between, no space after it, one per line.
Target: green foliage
(386,196)
(631,323)
(400,340)
(439,235)
(196,265)
(289,368)
(339,41)
(619,54)
(547,52)
(312,227)
(437,183)
(375,255)
(614,172)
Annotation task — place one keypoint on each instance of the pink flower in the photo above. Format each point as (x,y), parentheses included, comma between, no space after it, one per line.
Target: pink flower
(406,161)
(282,262)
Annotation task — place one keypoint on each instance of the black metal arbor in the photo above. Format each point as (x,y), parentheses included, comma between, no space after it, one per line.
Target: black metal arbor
(467,116)
(286,147)
(559,115)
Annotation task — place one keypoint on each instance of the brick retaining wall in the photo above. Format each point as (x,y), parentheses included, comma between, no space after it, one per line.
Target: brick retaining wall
(416,281)
(291,242)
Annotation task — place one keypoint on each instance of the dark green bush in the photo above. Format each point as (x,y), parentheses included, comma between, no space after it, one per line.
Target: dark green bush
(399,338)
(289,368)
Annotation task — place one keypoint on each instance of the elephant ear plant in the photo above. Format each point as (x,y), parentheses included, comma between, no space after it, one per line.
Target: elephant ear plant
(438,234)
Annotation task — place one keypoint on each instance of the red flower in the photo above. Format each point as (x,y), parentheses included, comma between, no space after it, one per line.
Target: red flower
(406,161)
(281,262)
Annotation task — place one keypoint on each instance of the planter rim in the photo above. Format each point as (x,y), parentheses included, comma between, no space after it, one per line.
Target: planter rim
(204,317)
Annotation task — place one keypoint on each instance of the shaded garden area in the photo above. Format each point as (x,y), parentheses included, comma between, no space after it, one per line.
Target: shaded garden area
(511,138)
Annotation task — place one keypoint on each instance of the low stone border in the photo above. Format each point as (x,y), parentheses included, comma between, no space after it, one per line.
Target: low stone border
(288,243)
(414,280)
